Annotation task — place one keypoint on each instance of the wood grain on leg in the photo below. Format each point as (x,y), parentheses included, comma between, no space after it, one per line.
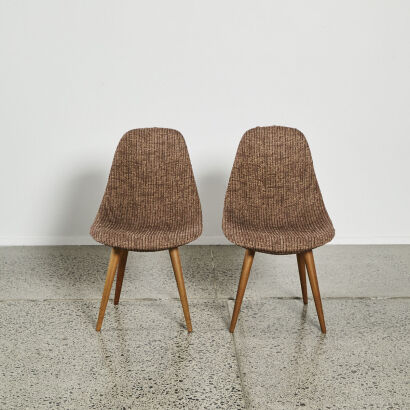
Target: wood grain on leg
(302,276)
(176,265)
(310,264)
(120,275)
(246,268)
(112,267)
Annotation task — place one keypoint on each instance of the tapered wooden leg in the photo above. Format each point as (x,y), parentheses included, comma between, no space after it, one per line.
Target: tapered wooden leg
(246,268)
(120,275)
(310,264)
(302,276)
(176,265)
(112,267)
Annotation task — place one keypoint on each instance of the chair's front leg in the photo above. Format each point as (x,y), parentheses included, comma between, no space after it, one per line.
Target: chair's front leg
(246,268)
(176,265)
(310,264)
(112,267)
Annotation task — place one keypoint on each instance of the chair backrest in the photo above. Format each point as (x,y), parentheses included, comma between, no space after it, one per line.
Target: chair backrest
(151,183)
(273,182)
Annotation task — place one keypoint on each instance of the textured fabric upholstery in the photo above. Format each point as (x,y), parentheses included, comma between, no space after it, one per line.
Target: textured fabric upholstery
(151,200)
(273,202)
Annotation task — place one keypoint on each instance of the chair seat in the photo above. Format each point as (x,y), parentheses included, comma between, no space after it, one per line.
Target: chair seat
(280,240)
(145,238)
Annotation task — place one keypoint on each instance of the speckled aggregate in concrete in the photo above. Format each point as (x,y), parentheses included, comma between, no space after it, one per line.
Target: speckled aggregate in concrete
(51,356)
(143,357)
(362,362)
(343,271)
(78,272)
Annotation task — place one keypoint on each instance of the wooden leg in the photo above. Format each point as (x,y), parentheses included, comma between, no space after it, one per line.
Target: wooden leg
(176,265)
(112,267)
(310,264)
(302,276)
(246,268)
(120,275)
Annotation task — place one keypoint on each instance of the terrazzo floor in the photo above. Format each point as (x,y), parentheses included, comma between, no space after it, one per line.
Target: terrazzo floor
(51,356)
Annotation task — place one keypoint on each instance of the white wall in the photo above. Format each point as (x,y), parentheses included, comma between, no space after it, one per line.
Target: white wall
(75,75)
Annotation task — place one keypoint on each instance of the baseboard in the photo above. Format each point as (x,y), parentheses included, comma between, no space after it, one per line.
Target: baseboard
(211,240)
(87,240)
(203,240)
(46,240)
(342,240)
(371,240)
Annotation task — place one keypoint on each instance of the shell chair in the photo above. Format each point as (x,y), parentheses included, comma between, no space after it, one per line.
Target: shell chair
(273,205)
(150,203)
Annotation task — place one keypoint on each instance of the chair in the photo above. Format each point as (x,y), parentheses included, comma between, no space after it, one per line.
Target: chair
(273,205)
(150,203)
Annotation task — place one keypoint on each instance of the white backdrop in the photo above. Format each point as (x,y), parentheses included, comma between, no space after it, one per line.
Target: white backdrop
(75,75)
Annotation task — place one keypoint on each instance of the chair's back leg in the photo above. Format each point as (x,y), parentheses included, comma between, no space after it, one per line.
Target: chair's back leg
(246,268)
(120,275)
(176,265)
(310,264)
(302,276)
(112,267)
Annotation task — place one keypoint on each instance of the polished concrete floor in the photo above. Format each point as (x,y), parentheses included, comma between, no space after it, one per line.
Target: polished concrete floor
(51,356)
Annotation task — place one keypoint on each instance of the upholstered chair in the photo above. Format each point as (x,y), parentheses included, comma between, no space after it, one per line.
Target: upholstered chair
(273,204)
(150,203)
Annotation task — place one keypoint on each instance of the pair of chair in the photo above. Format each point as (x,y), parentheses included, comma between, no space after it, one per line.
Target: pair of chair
(273,205)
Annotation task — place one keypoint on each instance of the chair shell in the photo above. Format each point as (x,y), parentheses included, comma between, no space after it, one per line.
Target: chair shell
(151,200)
(273,203)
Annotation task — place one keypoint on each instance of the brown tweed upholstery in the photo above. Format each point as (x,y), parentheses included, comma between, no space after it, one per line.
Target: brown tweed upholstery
(151,201)
(273,202)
